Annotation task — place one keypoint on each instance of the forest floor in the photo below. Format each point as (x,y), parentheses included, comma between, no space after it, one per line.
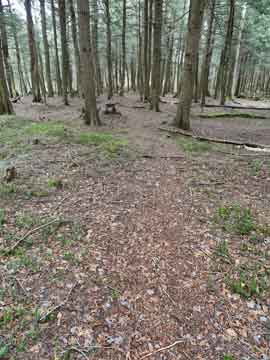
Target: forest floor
(130,242)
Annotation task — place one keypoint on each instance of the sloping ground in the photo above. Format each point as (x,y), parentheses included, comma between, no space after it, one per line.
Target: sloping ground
(162,256)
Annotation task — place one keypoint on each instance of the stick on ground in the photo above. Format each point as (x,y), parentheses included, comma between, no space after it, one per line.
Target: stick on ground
(162,349)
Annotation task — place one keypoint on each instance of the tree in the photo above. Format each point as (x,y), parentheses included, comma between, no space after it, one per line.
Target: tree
(182,119)
(35,79)
(88,80)
(109,48)
(5,103)
(155,90)
(46,47)
(57,63)
(64,48)
(75,43)
(123,67)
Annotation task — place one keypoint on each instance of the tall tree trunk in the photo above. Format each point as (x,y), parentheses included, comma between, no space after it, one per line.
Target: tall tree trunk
(86,55)
(65,57)
(57,64)
(5,103)
(146,51)
(33,53)
(23,87)
(5,50)
(207,54)
(238,47)
(123,65)
(109,48)
(95,41)
(75,44)
(182,119)
(46,47)
(227,54)
(155,88)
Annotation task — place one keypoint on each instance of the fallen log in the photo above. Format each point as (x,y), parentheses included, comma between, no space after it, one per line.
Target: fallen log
(216,140)
(236,107)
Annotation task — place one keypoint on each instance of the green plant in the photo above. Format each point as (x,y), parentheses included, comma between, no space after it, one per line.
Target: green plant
(194,146)
(235,218)
(55,183)
(228,357)
(3,351)
(107,143)
(255,167)
(222,249)
(2,217)
(7,189)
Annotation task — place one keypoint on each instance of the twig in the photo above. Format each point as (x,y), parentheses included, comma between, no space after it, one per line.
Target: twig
(162,349)
(44,317)
(30,232)
(78,351)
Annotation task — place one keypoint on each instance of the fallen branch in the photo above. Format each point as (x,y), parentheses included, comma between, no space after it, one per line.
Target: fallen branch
(148,156)
(57,307)
(162,349)
(236,107)
(220,141)
(30,232)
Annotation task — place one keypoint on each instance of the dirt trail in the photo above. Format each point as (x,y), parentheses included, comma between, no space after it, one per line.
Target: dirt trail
(145,265)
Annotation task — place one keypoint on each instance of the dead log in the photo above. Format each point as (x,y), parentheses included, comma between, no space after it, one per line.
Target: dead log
(236,107)
(219,141)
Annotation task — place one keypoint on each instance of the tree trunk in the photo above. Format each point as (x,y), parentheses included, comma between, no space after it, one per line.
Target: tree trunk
(227,54)
(75,44)
(208,51)
(156,76)
(33,53)
(46,47)
(145,51)
(5,103)
(123,65)
(238,47)
(65,57)
(86,55)
(182,119)
(57,64)
(95,42)
(109,48)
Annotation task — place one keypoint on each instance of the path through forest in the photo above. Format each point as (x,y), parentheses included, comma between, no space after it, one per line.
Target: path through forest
(160,247)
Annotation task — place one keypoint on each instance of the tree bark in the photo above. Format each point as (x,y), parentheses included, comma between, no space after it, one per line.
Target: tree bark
(238,47)
(5,103)
(46,47)
(123,64)
(156,75)
(208,51)
(65,57)
(88,80)
(57,64)
(95,42)
(109,48)
(182,119)
(227,54)
(75,45)
(33,53)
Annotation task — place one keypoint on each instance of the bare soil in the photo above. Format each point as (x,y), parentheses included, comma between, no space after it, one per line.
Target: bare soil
(133,266)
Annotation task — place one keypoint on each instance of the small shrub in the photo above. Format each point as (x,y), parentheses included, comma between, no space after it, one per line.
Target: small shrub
(237,219)
(55,183)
